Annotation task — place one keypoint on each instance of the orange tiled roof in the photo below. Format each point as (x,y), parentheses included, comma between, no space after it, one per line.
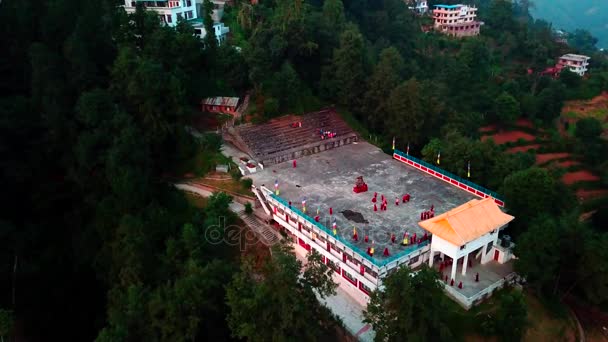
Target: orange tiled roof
(467,222)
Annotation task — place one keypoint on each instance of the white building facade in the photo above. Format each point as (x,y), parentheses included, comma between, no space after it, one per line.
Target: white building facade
(575,63)
(169,11)
(358,274)
(418,6)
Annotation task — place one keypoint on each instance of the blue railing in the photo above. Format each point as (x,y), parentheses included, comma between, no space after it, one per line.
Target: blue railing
(376,262)
(451,175)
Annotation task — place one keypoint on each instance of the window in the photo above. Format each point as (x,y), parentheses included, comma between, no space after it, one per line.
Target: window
(334,266)
(490,244)
(414,260)
(463,247)
(364,288)
(180,16)
(132,3)
(169,18)
(189,3)
(349,277)
(189,15)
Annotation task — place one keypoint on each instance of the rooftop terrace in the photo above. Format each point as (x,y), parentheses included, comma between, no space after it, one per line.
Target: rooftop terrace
(326,180)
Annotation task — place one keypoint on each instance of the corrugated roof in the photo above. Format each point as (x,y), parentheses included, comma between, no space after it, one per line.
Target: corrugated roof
(221,101)
(467,222)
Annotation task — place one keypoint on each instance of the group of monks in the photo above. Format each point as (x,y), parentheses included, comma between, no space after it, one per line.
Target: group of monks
(384,201)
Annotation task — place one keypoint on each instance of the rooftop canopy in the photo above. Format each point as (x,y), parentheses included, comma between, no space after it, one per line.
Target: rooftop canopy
(467,222)
(448,6)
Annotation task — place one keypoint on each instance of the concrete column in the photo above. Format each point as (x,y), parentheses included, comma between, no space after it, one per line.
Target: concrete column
(464,264)
(431,258)
(442,256)
(484,251)
(454,267)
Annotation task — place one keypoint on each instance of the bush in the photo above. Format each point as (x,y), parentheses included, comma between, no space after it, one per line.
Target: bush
(247,183)
(248,208)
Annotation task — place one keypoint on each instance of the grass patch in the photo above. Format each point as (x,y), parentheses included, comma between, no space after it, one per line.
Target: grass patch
(236,186)
(203,162)
(196,200)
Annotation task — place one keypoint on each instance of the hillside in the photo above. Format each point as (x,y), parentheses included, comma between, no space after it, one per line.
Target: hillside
(572,14)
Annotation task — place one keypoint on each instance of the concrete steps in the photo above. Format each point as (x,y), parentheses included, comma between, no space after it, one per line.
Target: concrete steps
(266,234)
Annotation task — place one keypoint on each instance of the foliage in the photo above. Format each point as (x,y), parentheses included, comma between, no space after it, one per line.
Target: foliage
(248,208)
(6,323)
(411,307)
(277,303)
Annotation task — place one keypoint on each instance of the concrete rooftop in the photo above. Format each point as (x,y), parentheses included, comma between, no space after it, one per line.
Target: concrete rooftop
(327,179)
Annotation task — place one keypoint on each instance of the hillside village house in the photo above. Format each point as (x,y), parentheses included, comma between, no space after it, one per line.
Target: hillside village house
(225,105)
(456,20)
(575,63)
(418,6)
(172,11)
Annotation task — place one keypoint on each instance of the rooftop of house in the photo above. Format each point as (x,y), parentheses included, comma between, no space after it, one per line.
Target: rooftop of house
(325,180)
(467,222)
(575,57)
(450,6)
(221,101)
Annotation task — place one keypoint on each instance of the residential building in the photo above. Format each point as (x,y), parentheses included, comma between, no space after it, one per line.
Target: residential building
(169,11)
(575,63)
(418,6)
(363,242)
(220,31)
(172,11)
(226,105)
(456,20)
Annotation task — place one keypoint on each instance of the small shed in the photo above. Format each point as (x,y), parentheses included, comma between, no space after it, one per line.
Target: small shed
(226,105)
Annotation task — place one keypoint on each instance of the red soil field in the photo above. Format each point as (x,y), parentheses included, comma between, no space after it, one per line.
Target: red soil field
(522,122)
(523,148)
(583,175)
(545,157)
(584,195)
(511,136)
(489,128)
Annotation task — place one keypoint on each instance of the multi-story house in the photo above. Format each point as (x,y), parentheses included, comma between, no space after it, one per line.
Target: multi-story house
(575,63)
(456,20)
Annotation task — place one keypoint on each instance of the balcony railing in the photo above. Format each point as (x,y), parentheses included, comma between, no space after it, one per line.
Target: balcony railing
(377,262)
(450,175)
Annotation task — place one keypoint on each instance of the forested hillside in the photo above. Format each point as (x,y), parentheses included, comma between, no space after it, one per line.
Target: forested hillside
(96,244)
(570,15)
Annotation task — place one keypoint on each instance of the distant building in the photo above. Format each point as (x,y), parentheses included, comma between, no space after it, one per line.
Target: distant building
(172,11)
(418,6)
(221,31)
(575,63)
(169,12)
(456,20)
(226,105)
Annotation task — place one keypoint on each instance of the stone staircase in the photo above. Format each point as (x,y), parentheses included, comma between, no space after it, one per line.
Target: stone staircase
(266,234)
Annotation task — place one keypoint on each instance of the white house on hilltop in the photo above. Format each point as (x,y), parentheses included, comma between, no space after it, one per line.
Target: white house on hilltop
(170,12)
(575,63)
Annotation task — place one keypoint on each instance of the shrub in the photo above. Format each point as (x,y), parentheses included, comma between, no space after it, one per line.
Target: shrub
(247,183)
(248,208)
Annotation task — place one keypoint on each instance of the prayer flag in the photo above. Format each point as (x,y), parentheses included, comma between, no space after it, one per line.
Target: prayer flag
(438,157)
(393,143)
(469,170)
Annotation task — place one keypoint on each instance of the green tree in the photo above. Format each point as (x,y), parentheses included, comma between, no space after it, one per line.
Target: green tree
(413,112)
(333,14)
(210,39)
(279,304)
(506,108)
(348,68)
(411,307)
(532,192)
(384,79)
(588,129)
(510,320)
(6,324)
(536,257)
